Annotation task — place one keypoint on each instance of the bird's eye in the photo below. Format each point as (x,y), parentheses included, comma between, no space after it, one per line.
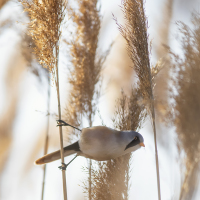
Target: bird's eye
(135,138)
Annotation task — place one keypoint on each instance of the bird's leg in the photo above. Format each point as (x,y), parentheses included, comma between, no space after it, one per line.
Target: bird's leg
(66,165)
(63,123)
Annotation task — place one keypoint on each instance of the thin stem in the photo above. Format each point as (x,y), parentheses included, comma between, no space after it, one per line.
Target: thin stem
(154,131)
(47,137)
(156,150)
(90,163)
(153,114)
(90,182)
(60,127)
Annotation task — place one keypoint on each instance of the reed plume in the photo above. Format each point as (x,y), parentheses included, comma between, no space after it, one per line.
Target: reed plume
(45,22)
(186,71)
(135,33)
(87,64)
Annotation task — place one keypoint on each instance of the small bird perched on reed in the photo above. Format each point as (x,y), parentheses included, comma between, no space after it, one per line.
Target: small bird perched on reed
(99,143)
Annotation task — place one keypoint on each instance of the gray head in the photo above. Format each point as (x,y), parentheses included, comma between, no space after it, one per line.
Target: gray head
(135,139)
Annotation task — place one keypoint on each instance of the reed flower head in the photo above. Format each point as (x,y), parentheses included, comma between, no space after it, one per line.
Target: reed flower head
(44,28)
(187,107)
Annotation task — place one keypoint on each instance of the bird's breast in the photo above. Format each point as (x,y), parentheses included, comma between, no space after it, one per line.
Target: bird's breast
(100,144)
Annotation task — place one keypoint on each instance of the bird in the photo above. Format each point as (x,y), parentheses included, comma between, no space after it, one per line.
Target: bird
(99,143)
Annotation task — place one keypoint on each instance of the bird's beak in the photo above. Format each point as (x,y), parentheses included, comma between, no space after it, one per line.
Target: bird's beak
(142,144)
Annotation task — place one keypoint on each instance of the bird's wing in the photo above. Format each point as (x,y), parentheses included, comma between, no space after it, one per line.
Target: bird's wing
(68,150)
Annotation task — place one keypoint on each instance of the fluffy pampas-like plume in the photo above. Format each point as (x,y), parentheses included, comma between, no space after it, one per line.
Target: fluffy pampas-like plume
(135,33)
(186,73)
(86,67)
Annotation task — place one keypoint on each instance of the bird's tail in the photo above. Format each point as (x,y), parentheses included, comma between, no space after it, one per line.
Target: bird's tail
(68,150)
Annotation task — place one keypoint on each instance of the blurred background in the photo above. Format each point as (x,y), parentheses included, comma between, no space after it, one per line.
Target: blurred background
(24,98)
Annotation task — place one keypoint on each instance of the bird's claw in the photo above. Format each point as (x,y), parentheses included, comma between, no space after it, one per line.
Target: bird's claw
(66,165)
(61,123)
(63,168)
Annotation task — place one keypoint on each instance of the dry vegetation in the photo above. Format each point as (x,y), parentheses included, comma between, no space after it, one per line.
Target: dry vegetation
(187,107)
(44,28)
(135,33)
(87,65)
(161,92)
(45,20)
(112,179)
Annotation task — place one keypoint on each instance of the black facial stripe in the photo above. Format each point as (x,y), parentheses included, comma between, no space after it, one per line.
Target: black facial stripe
(133,143)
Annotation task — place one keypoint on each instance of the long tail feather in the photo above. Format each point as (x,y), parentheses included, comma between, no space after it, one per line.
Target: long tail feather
(68,150)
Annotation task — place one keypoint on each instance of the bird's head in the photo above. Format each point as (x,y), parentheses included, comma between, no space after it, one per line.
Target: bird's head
(135,141)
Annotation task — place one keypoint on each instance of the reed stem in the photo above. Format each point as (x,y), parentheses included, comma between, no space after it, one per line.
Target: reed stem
(90,163)
(156,150)
(154,131)
(90,181)
(47,137)
(152,113)
(60,127)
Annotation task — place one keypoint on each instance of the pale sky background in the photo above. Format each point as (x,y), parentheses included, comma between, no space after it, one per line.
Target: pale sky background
(21,180)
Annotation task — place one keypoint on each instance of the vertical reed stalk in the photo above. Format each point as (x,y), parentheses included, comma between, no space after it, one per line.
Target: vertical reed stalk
(46,17)
(135,34)
(60,127)
(90,166)
(47,137)
(155,145)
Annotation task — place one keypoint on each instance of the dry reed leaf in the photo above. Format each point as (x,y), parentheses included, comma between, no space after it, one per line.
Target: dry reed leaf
(187,107)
